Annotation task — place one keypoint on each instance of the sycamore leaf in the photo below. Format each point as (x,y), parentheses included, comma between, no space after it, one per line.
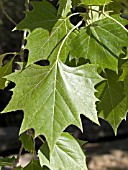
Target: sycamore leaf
(64,7)
(43,15)
(27,142)
(112,105)
(67,154)
(95,2)
(101,43)
(53,97)
(5,70)
(40,44)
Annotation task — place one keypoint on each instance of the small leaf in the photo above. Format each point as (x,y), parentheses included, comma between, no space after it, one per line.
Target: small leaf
(101,43)
(43,15)
(5,70)
(64,7)
(112,105)
(27,142)
(67,154)
(51,94)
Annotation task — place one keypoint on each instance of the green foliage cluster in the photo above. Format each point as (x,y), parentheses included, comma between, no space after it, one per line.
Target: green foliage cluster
(53,96)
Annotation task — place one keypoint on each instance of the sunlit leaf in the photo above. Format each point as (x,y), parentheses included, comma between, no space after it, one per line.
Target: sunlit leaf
(101,43)
(64,7)
(65,155)
(53,97)
(41,44)
(43,15)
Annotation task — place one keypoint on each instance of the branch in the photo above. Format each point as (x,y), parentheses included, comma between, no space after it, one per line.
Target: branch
(6,14)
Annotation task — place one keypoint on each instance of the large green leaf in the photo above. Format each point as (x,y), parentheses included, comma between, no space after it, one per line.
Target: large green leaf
(5,70)
(41,45)
(43,15)
(95,2)
(101,43)
(64,7)
(112,105)
(67,155)
(53,97)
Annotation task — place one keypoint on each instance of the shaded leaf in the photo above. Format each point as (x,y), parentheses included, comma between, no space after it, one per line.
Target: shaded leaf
(67,154)
(43,15)
(5,70)
(64,7)
(101,43)
(51,94)
(27,142)
(112,105)
(124,78)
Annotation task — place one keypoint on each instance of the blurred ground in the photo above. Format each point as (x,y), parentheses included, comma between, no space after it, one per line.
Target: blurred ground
(104,151)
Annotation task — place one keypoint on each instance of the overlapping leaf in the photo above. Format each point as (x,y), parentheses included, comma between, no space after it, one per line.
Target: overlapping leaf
(67,155)
(101,43)
(64,7)
(5,70)
(43,15)
(40,44)
(53,97)
(112,105)
(27,142)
